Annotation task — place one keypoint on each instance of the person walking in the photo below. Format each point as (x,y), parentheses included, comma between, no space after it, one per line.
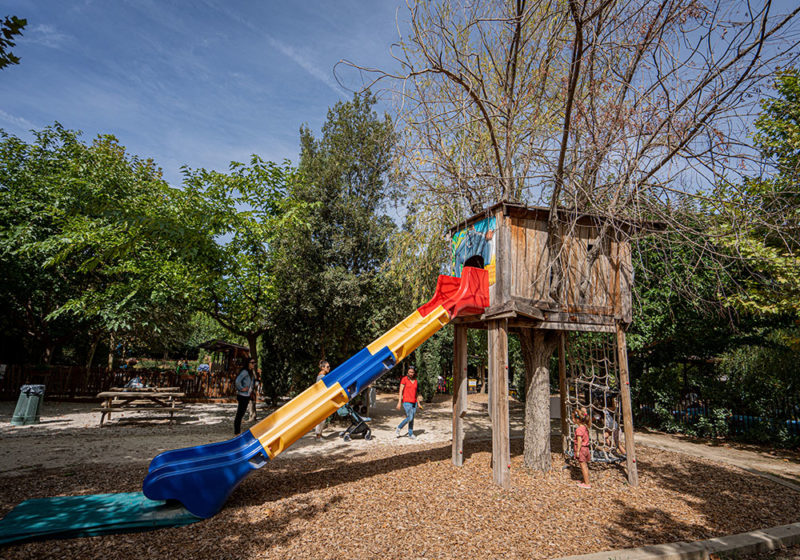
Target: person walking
(324,369)
(408,400)
(244,387)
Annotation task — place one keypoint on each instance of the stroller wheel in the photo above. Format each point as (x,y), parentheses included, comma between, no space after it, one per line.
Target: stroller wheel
(368,435)
(346,437)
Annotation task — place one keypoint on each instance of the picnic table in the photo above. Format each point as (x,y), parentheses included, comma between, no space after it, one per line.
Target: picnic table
(148,399)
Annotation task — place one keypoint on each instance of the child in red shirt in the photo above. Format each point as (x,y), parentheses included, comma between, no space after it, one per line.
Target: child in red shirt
(582,451)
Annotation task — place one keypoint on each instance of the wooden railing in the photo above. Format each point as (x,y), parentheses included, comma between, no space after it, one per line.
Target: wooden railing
(69,382)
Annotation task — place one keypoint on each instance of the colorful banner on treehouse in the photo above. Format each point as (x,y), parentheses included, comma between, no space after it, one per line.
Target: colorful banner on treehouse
(474,246)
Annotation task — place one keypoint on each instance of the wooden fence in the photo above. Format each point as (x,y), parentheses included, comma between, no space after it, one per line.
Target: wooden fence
(70,382)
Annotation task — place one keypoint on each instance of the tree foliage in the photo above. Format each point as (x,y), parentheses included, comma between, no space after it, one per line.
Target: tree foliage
(769,249)
(244,211)
(332,299)
(93,234)
(10,27)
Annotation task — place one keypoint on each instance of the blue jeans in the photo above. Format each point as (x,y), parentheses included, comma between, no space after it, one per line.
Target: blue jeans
(411,409)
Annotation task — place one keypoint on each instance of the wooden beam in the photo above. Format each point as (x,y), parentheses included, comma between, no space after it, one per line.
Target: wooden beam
(515,307)
(627,409)
(583,327)
(526,309)
(576,317)
(498,378)
(502,266)
(459,392)
(562,388)
(506,271)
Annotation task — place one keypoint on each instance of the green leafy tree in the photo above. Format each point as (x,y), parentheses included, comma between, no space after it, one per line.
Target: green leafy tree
(244,210)
(96,240)
(333,297)
(11,26)
(770,249)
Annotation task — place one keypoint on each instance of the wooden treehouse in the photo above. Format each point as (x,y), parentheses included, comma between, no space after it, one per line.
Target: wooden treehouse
(511,241)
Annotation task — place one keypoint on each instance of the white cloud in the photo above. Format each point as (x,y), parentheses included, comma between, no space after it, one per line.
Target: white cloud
(47,35)
(305,63)
(16,121)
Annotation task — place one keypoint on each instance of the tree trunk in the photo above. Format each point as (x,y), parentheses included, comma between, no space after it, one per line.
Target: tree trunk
(49,350)
(252,342)
(537,347)
(89,360)
(111,352)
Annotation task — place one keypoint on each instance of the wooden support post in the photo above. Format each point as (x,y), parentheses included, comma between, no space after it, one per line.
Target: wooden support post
(489,358)
(498,377)
(562,389)
(459,392)
(627,409)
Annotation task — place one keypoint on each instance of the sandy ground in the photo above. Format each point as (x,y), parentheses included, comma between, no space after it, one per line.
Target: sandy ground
(70,435)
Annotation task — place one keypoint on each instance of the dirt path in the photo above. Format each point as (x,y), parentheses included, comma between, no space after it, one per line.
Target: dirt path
(69,435)
(762,462)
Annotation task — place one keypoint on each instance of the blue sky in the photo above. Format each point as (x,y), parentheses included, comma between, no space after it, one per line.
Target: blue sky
(190,83)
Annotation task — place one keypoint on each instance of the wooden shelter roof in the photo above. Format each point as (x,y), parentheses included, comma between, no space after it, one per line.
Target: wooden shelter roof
(218,345)
(519,210)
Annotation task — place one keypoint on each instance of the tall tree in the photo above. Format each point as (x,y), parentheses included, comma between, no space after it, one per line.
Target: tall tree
(95,239)
(770,203)
(245,211)
(616,108)
(333,299)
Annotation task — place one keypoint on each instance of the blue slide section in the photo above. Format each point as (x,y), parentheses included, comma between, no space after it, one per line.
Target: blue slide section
(235,445)
(360,370)
(203,477)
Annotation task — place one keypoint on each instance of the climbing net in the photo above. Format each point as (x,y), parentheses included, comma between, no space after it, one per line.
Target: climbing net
(593,385)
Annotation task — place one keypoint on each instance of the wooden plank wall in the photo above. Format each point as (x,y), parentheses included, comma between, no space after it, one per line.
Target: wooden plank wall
(609,288)
(625,264)
(598,297)
(530,277)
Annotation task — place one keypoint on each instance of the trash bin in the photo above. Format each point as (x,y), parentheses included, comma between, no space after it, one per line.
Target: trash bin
(29,405)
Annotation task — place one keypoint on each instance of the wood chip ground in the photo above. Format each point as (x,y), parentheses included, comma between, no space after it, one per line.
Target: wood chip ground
(408,502)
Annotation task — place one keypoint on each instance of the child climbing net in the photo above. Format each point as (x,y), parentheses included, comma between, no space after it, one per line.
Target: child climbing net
(593,385)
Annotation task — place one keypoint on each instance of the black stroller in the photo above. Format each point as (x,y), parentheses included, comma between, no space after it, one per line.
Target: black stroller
(358,423)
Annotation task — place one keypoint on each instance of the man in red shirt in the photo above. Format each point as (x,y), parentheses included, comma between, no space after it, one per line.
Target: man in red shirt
(408,399)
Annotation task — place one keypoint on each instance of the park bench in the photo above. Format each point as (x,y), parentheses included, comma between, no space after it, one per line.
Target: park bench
(147,399)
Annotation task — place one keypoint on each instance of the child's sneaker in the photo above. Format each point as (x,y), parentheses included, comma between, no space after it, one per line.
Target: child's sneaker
(582,485)
(397,432)
(412,436)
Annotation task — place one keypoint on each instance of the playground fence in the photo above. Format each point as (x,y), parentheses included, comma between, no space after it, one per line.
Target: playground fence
(784,417)
(70,382)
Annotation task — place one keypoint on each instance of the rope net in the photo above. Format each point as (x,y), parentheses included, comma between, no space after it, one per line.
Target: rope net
(593,386)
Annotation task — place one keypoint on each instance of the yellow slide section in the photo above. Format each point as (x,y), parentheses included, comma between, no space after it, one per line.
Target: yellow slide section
(412,331)
(293,420)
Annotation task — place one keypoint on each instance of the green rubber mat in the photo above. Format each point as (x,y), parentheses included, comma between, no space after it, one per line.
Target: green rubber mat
(84,516)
